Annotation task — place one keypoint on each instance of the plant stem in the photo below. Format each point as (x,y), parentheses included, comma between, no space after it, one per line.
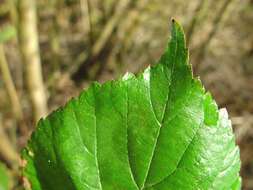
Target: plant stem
(216,25)
(195,20)
(29,49)
(10,88)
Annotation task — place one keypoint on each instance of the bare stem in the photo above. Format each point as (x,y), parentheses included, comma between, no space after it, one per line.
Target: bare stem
(102,40)
(7,152)
(10,88)
(215,26)
(195,20)
(86,16)
(29,49)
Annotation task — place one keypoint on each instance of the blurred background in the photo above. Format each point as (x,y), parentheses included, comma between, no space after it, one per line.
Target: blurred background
(51,49)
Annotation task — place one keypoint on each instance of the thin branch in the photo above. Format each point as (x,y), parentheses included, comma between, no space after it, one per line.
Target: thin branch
(131,23)
(217,21)
(29,49)
(126,29)
(109,27)
(216,25)
(54,35)
(195,20)
(7,152)
(103,39)
(10,87)
(86,12)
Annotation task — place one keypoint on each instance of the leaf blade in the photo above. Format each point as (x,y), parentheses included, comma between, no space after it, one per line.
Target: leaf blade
(139,132)
(4,178)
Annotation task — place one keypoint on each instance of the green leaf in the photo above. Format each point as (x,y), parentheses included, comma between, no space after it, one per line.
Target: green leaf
(158,130)
(4,178)
(6,33)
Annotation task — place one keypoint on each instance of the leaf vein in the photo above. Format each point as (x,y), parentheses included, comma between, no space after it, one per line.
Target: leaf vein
(164,111)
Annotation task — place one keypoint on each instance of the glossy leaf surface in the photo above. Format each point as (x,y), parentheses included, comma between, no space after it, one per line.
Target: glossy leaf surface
(158,130)
(4,178)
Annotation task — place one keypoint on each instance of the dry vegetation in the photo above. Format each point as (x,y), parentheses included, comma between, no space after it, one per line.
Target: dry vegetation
(51,50)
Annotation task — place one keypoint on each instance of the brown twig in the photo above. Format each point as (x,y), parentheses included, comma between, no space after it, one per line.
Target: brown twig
(194,20)
(7,152)
(103,39)
(126,29)
(86,16)
(29,49)
(10,87)
(215,26)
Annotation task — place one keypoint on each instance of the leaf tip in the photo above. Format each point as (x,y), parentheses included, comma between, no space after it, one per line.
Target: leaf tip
(176,25)
(176,52)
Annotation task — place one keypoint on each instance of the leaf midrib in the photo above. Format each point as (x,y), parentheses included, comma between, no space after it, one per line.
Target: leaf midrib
(168,100)
(96,157)
(181,158)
